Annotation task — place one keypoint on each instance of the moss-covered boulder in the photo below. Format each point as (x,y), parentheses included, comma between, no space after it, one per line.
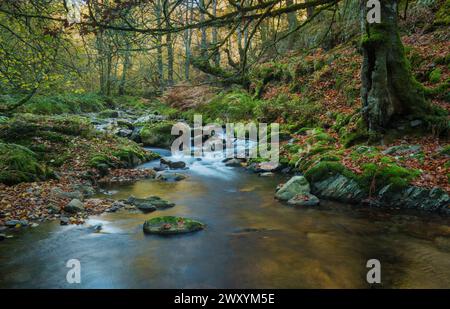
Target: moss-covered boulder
(109,113)
(412,197)
(19,164)
(157,134)
(149,204)
(125,155)
(297,185)
(306,199)
(170,225)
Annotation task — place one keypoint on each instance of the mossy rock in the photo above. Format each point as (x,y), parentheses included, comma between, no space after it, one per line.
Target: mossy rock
(158,134)
(50,128)
(109,113)
(19,164)
(325,169)
(126,156)
(377,176)
(170,225)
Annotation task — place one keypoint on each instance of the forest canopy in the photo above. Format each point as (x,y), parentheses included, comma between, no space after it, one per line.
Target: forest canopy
(143,47)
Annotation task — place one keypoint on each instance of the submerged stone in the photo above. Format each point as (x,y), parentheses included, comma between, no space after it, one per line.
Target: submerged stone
(170,176)
(16,223)
(233,162)
(64,221)
(150,204)
(169,225)
(264,167)
(306,199)
(173,164)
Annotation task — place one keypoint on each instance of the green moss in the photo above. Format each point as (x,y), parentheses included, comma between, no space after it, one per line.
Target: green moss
(158,134)
(320,137)
(52,136)
(292,148)
(445,60)
(437,121)
(435,75)
(125,155)
(171,225)
(99,159)
(109,113)
(233,106)
(356,133)
(325,169)
(375,36)
(375,177)
(442,17)
(19,164)
(446,150)
(132,156)
(64,103)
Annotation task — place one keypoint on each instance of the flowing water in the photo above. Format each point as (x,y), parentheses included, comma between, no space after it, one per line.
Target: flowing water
(251,241)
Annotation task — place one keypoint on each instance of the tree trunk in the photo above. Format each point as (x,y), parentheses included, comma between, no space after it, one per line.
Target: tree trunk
(159,56)
(126,65)
(215,35)
(204,39)
(188,40)
(292,16)
(309,12)
(388,88)
(108,73)
(169,48)
(169,59)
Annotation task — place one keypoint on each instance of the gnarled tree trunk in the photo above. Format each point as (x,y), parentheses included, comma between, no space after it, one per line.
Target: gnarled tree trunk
(388,87)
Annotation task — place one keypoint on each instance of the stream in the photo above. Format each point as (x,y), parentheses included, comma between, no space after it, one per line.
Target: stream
(251,241)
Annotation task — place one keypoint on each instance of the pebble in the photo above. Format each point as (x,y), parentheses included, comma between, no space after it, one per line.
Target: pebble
(64,221)
(16,223)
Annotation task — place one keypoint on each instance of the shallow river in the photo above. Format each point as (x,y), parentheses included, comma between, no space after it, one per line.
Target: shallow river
(251,241)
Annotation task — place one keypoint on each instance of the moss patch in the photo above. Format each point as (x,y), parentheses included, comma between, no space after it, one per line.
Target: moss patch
(158,134)
(19,164)
(171,225)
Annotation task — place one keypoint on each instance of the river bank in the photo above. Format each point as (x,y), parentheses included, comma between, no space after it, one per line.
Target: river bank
(102,149)
(251,240)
